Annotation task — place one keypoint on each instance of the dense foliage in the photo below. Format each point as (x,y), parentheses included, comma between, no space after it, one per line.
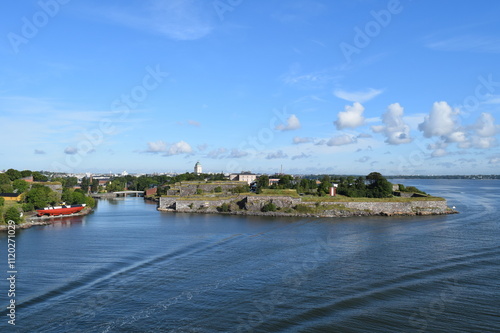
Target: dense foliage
(12,214)
(269,207)
(372,186)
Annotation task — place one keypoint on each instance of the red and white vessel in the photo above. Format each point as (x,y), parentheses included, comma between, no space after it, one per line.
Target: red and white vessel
(60,210)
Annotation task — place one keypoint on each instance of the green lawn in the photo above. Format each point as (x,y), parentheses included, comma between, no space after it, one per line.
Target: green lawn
(341,198)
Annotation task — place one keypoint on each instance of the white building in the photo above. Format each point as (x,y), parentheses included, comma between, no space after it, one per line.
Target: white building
(197,168)
(244,176)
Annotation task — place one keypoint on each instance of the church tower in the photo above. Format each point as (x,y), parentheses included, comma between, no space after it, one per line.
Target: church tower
(197,168)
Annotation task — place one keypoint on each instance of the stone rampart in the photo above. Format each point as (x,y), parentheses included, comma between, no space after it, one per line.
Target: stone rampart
(286,206)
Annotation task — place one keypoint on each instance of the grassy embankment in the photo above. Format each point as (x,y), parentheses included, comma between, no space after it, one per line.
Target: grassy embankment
(306,199)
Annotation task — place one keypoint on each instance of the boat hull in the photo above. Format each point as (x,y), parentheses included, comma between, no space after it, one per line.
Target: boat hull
(60,210)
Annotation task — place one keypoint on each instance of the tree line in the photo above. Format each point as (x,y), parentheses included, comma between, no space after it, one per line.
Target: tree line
(373,185)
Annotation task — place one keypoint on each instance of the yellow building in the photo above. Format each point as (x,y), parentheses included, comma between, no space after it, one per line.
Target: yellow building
(11,196)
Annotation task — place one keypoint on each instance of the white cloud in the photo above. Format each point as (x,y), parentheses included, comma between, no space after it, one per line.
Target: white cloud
(439,148)
(494,160)
(235,153)
(217,153)
(276,155)
(439,152)
(395,129)
(71,150)
(341,140)
(177,148)
(483,143)
(357,96)
(202,147)
(352,117)
(457,136)
(303,155)
(157,147)
(292,123)
(194,123)
(440,121)
(363,159)
(482,134)
(297,140)
(485,125)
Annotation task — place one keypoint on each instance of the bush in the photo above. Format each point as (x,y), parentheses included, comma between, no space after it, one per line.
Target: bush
(301,208)
(2,201)
(12,214)
(218,189)
(241,189)
(224,208)
(268,207)
(90,202)
(414,190)
(28,207)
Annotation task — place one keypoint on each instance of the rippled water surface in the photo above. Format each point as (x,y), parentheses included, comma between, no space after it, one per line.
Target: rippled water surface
(129,268)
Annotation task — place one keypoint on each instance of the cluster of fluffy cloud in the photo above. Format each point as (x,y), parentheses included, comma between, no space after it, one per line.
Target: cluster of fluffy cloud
(442,122)
(351,117)
(225,153)
(394,128)
(292,123)
(166,149)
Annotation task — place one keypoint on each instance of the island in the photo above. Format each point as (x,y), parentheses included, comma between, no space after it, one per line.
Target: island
(372,195)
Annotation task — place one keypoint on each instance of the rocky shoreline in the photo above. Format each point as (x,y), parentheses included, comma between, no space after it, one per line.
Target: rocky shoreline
(34,220)
(339,213)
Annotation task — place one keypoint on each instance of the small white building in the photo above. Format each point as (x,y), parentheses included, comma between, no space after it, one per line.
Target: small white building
(244,176)
(197,168)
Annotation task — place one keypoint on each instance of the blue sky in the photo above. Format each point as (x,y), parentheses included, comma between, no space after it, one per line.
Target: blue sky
(343,87)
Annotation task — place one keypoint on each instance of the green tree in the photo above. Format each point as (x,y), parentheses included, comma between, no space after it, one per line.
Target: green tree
(378,186)
(94,188)
(263,182)
(78,198)
(286,181)
(115,186)
(38,177)
(28,207)
(4,179)
(26,173)
(324,187)
(70,181)
(240,189)
(85,184)
(6,188)
(12,214)
(2,202)
(13,174)
(20,185)
(90,201)
(41,196)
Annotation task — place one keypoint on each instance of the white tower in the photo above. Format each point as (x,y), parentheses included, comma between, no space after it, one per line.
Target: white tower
(197,168)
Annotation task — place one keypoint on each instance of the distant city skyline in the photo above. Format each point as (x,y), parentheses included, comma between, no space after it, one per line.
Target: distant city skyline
(344,87)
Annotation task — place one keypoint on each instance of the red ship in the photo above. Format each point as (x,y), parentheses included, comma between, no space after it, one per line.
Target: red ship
(60,210)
